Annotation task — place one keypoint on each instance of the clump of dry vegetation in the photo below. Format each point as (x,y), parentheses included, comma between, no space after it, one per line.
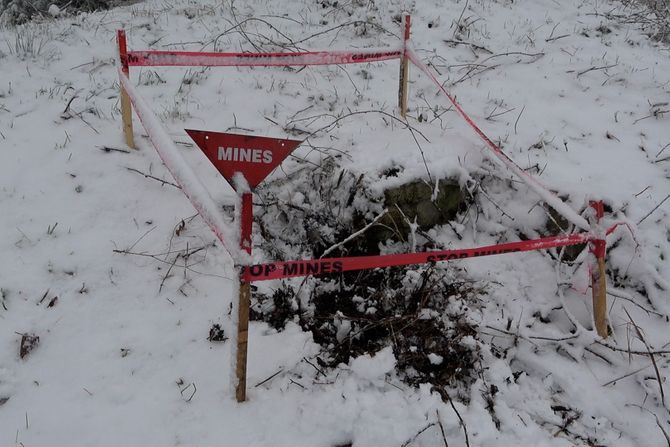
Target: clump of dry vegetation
(424,314)
(15,12)
(653,16)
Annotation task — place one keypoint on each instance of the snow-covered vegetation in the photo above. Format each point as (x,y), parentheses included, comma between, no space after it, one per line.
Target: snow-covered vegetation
(115,296)
(20,11)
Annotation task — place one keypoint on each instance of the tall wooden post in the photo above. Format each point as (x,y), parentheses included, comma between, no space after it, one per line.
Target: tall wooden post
(404,68)
(246,219)
(598,277)
(126,106)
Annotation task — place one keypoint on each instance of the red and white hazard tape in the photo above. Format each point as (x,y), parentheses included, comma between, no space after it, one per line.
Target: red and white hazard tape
(549,197)
(197,59)
(190,185)
(289,269)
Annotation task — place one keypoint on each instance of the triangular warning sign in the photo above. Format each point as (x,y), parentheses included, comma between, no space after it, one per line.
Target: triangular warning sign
(255,157)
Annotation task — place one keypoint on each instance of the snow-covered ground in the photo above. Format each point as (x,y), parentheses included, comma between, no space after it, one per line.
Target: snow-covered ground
(123,356)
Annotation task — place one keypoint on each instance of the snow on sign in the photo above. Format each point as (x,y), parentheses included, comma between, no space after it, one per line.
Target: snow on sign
(255,157)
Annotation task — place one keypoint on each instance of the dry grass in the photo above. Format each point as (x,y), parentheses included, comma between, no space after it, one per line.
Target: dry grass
(653,16)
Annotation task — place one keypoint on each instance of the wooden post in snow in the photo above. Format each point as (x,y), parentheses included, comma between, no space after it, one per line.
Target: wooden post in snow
(246,223)
(404,68)
(126,105)
(598,277)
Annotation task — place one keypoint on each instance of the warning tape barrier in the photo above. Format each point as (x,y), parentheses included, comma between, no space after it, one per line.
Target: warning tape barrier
(204,204)
(549,197)
(190,185)
(214,59)
(207,208)
(291,269)
(197,59)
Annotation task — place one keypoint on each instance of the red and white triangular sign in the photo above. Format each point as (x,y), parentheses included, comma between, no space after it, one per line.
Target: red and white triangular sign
(255,157)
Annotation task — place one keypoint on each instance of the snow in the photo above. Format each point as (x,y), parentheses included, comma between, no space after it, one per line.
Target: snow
(375,367)
(54,10)
(180,170)
(435,359)
(66,205)
(549,198)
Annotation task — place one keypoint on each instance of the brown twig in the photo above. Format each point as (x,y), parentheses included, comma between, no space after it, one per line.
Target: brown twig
(337,119)
(665,433)
(439,422)
(617,294)
(167,274)
(43,297)
(517,119)
(472,45)
(662,150)
(113,149)
(484,193)
(354,235)
(626,375)
(513,53)
(472,73)
(460,419)
(653,359)
(604,67)
(297,383)
(458,22)
(413,438)
(182,254)
(269,378)
(163,182)
(445,396)
(551,39)
(314,366)
(67,112)
(654,209)
(629,351)
(187,387)
(658,422)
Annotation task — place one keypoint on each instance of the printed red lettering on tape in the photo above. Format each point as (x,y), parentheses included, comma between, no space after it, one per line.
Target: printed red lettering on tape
(152,58)
(279,270)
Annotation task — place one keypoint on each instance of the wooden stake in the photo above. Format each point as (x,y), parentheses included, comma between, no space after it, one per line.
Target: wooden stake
(246,222)
(126,105)
(598,278)
(404,69)
(599,287)
(242,340)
